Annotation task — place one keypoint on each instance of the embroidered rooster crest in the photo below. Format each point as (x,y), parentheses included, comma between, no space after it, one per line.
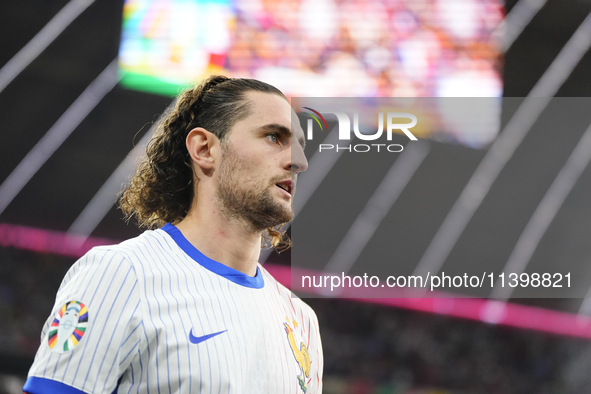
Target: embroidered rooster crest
(301,355)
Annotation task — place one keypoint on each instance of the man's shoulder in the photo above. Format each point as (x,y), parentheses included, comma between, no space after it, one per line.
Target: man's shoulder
(136,255)
(146,244)
(275,278)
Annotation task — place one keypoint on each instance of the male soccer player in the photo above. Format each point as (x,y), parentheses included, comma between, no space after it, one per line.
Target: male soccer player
(186,308)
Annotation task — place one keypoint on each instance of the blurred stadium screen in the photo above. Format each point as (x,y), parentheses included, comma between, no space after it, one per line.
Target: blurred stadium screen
(316,48)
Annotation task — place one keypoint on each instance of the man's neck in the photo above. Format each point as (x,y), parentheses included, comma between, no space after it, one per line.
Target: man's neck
(222,239)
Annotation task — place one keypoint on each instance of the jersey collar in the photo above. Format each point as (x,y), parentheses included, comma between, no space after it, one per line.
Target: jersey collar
(231,274)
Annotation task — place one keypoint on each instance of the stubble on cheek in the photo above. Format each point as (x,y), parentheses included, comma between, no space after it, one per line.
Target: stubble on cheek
(243,197)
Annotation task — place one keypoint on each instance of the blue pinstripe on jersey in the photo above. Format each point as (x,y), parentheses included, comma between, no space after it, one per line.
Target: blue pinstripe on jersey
(157,252)
(115,328)
(121,344)
(178,275)
(99,307)
(162,321)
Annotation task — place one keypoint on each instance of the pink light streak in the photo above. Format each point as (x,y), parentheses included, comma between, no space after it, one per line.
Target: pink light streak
(488,311)
(46,241)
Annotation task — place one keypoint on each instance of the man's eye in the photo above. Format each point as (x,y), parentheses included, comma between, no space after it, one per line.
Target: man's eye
(273,138)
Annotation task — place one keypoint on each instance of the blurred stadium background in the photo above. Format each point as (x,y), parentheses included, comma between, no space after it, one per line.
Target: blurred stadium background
(82,82)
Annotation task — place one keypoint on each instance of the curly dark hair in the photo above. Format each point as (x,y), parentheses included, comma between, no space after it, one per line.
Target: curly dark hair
(161,190)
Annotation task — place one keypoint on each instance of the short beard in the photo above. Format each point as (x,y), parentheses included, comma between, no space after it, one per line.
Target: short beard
(254,206)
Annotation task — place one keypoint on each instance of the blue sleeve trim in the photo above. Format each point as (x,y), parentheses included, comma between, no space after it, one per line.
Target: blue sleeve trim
(35,385)
(256,282)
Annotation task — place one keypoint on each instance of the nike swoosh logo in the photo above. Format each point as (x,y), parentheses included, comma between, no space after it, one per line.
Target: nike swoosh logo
(197,340)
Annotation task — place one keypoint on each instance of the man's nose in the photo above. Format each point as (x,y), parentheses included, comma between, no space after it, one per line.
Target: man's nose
(298,161)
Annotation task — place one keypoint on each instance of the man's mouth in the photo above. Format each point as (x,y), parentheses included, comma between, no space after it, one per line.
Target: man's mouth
(286,185)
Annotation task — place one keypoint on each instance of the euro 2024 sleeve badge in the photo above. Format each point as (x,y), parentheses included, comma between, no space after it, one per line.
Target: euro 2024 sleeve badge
(68,327)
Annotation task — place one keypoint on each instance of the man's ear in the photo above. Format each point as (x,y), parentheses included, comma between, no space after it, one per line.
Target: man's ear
(203,146)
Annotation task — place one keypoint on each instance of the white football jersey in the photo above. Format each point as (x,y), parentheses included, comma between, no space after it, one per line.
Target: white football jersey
(154,315)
